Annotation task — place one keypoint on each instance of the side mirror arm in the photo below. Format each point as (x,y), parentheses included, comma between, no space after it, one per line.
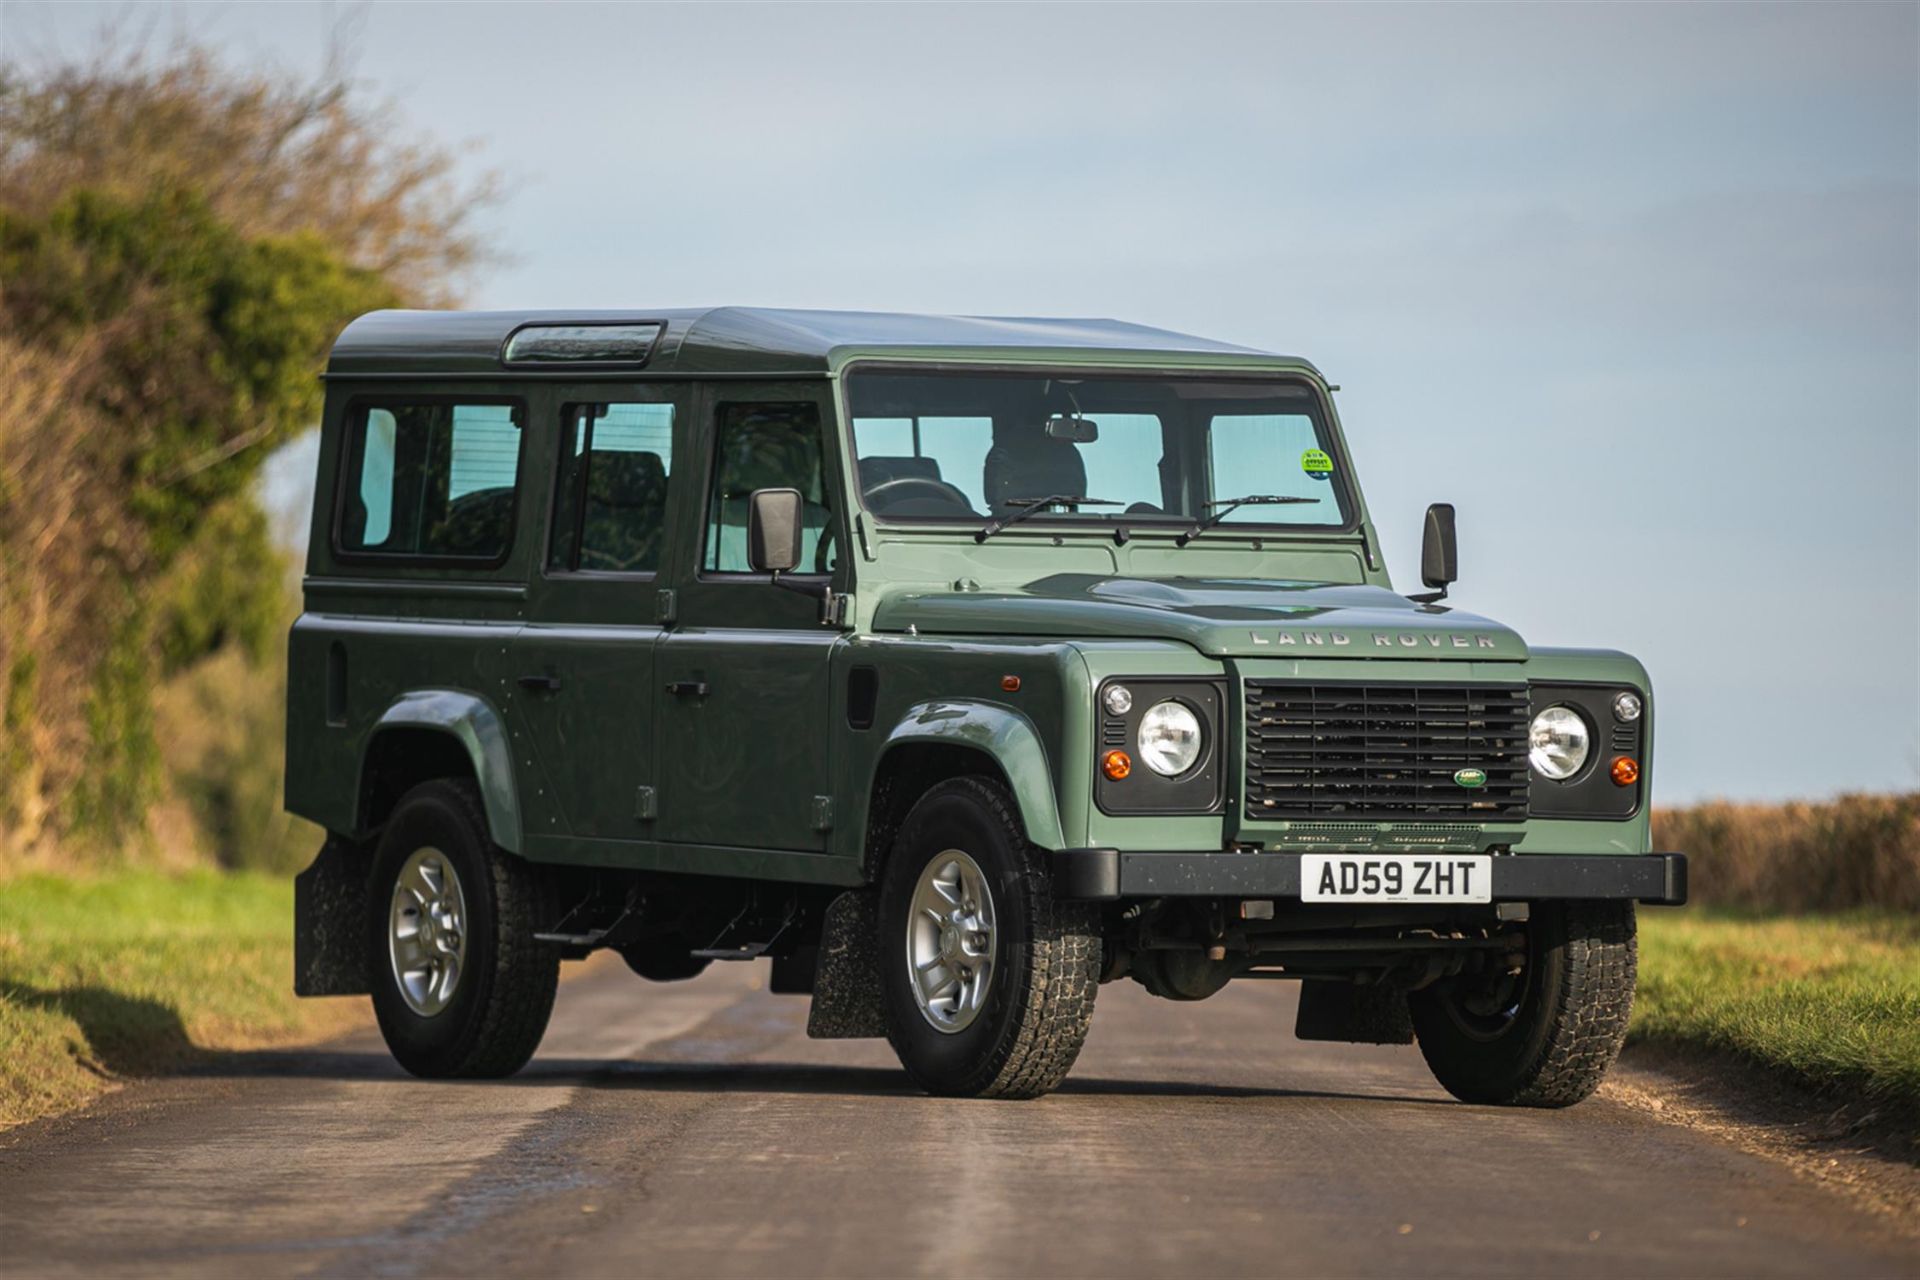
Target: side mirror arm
(832,603)
(813,590)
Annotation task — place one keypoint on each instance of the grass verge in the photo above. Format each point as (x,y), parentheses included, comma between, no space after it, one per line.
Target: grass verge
(133,972)
(1830,1002)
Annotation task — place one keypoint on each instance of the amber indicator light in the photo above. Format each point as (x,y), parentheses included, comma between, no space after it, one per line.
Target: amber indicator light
(1116,764)
(1626,771)
(1010,683)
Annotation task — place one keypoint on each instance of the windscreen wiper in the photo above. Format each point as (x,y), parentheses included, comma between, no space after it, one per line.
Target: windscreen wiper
(1227,506)
(1025,507)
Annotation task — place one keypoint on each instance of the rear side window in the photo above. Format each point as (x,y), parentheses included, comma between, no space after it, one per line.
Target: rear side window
(610,510)
(431,480)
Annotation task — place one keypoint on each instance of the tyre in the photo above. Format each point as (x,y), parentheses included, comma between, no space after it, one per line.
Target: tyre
(1543,1037)
(460,987)
(988,982)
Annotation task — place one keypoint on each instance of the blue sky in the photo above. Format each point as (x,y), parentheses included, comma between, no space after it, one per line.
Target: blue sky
(1636,287)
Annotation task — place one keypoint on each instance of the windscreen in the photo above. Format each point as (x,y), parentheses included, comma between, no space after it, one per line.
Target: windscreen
(956,446)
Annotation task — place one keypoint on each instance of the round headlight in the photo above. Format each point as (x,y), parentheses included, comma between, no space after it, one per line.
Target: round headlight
(1169,738)
(1626,707)
(1119,699)
(1557,743)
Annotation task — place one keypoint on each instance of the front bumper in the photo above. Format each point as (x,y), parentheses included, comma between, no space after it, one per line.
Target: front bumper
(1110,874)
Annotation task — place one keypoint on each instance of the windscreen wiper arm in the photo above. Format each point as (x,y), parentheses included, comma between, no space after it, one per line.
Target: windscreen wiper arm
(1025,507)
(1227,506)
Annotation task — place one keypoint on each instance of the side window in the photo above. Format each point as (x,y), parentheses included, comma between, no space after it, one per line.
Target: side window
(610,509)
(431,480)
(766,446)
(376,477)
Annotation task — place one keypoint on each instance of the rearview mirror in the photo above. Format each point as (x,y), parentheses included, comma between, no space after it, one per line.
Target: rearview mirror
(1439,553)
(773,530)
(1073,427)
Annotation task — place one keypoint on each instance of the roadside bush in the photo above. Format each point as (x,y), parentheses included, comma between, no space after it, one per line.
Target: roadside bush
(180,242)
(223,722)
(183,351)
(1855,851)
(274,156)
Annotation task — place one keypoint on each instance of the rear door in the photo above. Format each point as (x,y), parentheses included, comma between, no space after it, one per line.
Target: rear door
(744,672)
(584,665)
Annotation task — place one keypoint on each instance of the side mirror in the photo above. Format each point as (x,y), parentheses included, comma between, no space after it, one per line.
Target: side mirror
(773,530)
(1439,553)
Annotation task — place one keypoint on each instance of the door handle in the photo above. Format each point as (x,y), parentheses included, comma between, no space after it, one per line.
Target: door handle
(684,688)
(541,684)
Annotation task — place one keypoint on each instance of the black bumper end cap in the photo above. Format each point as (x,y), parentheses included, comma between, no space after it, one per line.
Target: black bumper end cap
(1086,875)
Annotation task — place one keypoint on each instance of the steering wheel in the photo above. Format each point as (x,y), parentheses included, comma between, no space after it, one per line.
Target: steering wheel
(887,492)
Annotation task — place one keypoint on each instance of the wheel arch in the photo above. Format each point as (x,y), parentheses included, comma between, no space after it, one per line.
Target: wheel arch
(934,741)
(439,733)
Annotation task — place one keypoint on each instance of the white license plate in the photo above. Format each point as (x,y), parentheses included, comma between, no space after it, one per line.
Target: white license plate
(1396,877)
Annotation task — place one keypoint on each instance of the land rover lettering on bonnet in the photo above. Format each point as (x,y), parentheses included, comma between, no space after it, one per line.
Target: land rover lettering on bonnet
(953,667)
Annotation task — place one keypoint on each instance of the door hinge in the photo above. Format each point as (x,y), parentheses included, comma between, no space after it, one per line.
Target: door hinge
(646,804)
(835,607)
(823,813)
(667,608)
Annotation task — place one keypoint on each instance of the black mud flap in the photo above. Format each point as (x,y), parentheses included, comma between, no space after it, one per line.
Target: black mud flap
(1371,1014)
(330,922)
(846,982)
(794,975)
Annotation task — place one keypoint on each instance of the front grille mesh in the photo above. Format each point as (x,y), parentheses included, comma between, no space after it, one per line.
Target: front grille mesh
(1385,751)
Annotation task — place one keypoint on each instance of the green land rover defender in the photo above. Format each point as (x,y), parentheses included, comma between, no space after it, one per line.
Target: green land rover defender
(957,666)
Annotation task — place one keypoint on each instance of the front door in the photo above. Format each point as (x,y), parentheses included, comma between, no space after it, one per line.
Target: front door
(743,673)
(583,668)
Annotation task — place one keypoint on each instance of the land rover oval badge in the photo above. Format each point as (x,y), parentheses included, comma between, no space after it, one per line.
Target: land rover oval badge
(1470,777)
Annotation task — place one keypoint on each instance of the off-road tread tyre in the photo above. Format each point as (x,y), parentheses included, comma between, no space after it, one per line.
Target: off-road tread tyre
(1051,994)
(504,1006)
(1590,961)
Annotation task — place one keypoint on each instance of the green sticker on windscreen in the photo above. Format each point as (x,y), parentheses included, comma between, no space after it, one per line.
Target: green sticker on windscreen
(1316,463)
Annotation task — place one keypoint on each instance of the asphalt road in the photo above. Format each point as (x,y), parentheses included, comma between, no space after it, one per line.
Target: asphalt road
(693,1130)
